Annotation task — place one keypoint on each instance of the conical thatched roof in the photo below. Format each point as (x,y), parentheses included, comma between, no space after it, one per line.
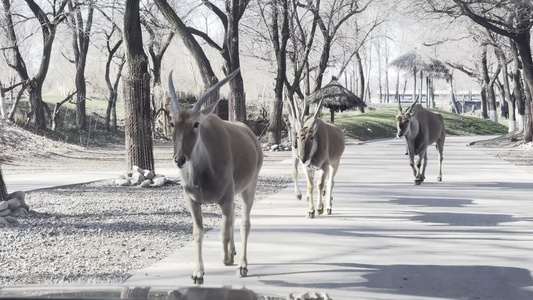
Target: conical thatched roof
(417,61)
(336,97)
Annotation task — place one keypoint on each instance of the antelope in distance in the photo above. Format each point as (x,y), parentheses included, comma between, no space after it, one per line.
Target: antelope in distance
(294,121)
(217,160)
(320,146)
(421,128)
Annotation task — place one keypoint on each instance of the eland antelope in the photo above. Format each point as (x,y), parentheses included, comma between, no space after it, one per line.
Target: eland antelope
(217,159)
(421,128)
(295,123)
(320,146)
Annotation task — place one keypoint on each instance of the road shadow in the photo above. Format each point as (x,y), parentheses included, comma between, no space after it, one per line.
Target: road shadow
(439,281)
(431,202)
(464,219)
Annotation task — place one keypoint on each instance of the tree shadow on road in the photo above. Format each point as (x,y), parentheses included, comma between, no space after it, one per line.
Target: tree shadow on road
(439,281)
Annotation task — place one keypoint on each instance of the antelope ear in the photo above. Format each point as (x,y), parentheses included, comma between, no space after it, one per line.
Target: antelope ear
(208,110)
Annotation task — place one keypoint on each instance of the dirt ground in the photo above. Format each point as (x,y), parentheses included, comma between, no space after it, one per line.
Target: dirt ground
(24,152)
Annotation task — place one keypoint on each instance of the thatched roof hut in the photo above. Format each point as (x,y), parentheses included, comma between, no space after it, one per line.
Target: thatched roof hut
(416,63)
(336,98)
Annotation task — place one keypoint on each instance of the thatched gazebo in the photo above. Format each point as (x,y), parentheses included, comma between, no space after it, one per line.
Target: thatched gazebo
(416,62)
(336,98)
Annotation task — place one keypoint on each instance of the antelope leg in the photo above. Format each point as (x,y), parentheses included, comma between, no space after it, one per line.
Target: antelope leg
(198,233)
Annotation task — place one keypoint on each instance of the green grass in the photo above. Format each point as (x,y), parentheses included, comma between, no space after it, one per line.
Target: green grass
(381,123)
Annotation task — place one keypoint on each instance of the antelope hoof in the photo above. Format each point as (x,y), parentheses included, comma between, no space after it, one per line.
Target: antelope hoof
(299,196)
(418,181)
(328,211)
(229,262)
(242,272)
(439,179)
(197,280)
(320,211)
(311,215)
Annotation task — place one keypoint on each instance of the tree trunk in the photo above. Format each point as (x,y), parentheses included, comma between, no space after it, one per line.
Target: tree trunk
(36,113)
(81,111)
(3,187)
(524,49)
(279,40)
(506,90)
(138,129)
(81,35)
(202,62)
(3,107)
(361,76)
(415,74)
(452,94)
(234,13)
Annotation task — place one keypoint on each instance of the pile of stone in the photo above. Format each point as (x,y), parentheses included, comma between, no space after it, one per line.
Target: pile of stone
(277,147)
(142,178)
(12,208)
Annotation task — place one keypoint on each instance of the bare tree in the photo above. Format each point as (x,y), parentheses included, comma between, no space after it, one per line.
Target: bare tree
(276,13)
(229,50)
(513,19)
(81,36)
(139,143)
(48,22)
(114,56)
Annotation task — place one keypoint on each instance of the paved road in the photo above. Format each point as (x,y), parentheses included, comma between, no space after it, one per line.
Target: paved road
(468,237)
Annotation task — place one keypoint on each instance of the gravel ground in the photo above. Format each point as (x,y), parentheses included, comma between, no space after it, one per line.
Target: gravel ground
(101,233)
(98,232)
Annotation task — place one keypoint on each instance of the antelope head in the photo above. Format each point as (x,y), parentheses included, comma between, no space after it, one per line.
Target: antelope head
(186,123)
(403,121)
(307,144)
(295,119)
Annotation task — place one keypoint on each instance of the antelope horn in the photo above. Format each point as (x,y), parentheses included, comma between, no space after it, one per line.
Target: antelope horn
(315,116)
(175,104)
(410,108)
(319,106)
(213,89)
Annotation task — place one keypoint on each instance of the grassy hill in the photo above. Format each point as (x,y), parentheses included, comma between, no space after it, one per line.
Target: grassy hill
(382,124)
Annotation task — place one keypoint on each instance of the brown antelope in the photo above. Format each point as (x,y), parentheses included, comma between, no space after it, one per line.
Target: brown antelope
(421,128)
(217,160)
(320,146)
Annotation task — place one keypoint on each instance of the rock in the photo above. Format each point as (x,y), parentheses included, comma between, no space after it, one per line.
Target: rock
(3,222)
(274,147)
(122,182)
(20,212)
(287,148)
(18,194)
(136,169)
(23,204)
(148,174)
(4,205)
(123,176)
(14,203)
(159,181)
(146,183)
(137,178)
(11,219)
(5,212)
